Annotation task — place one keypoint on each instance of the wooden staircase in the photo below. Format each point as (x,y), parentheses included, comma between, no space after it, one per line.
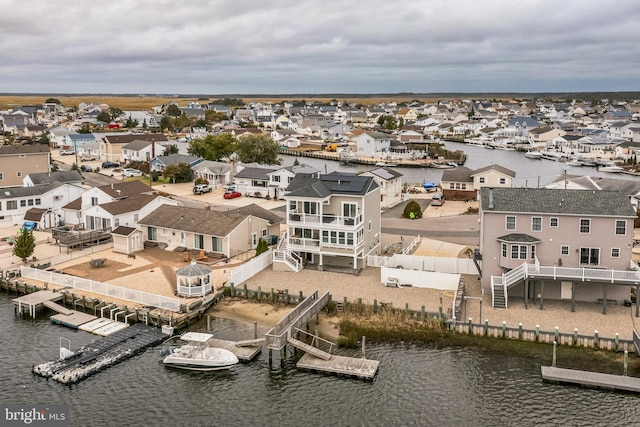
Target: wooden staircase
(499,300)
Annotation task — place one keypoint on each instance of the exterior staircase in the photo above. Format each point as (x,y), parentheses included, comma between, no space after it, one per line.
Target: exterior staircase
(499,300)
(284,255)
(500,285)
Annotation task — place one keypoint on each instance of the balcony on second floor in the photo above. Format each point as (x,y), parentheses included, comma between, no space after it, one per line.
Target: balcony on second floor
(328,220)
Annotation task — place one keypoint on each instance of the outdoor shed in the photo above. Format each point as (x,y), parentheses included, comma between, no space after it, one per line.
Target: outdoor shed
(127,240)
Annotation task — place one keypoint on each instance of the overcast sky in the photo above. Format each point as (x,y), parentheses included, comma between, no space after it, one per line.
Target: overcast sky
(285,47)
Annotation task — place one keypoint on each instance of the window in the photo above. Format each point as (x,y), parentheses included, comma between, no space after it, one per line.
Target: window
(615,252)
(464,186)
(275,178)
(589,256)
(621,227)
(0,206)
(135,218)
(518,252)
(1,176)
(216,244)
(504,250)
(350,239)
(553,222)
(369,225)
(585,226)
(23,203)
(198,241)
(264,232)
(536,223)
(310,208)
(116,222)
(350,210)
(12,204)
(292,205)
(152,234)
(19,174)
(256,183)
(564,250)
(452,186)
(325,236)
(30,202)
(38,202)
(341,237)
(533,251)
(94,201)
(481,180)
(503,181)
(165,231)
(511,223)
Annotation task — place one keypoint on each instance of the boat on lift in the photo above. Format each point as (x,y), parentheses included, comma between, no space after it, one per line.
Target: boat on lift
(533,154)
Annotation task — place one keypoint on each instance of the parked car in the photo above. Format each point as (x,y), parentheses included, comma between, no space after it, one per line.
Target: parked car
(87,157)
(67,152)
(231,194)
(128,172)
(106,165)
(201,189)
(86,168)
(437,199)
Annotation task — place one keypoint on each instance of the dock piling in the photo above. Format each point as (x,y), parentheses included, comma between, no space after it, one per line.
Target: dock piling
(626,362)
(553,359)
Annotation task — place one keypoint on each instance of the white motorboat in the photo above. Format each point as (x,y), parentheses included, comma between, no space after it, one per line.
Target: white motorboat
(610,168)
(198,355)
(551,155)
(574,162)
(533,154)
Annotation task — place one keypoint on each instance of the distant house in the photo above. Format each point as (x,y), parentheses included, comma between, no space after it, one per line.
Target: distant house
(17,161)
(227,233)
(463,183)
(75,141)
(217,174)
(111,145)
(368,144)
(390,182)
(253,181)
(65,177)
(159,163)
(140,150)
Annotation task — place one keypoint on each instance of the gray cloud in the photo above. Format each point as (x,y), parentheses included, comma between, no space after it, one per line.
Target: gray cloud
(144,46)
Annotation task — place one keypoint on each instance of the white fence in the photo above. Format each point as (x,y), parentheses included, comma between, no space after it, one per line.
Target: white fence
(80,283)
(251,268)
(424,263)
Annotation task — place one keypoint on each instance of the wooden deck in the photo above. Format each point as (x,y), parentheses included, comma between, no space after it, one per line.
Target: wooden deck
(591,379)
(244,353)
(73,320)
(340,365)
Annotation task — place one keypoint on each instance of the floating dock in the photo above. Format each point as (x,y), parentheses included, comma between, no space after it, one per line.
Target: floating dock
(101,354)
(340,365)
(242,350)
(591,379)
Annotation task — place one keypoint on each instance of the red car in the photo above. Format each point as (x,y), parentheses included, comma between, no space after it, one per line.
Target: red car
(232,194)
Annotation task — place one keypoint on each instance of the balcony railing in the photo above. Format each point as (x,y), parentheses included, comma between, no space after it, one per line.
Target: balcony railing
(299,243)
(328,219)
(194,291)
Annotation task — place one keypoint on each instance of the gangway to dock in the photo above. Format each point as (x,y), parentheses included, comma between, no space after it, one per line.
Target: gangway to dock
(57,307)
(314,351)
(278,336)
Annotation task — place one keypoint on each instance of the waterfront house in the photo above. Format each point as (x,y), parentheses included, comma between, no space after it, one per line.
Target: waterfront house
(462,183)
(333,222)
(390,182)
(221,234)
(370,144)
(217,174)
(17,161)
(538,243)
(141,150)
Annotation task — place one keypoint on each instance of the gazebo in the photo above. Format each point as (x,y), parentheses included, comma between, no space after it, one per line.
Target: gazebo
(193,280)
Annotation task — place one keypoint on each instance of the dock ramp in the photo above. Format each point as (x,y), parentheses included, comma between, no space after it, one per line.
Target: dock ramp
(314,351)
(278,336)
(57,307)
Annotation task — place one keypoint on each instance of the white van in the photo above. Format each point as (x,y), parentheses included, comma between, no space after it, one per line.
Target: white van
(437,199)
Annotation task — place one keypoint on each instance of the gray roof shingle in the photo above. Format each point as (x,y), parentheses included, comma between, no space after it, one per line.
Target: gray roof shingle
(560,202)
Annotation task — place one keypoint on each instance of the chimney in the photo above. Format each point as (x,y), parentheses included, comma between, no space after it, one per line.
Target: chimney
(491,198)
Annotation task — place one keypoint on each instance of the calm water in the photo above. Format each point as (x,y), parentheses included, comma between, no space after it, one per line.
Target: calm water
(415,385)
(529,173)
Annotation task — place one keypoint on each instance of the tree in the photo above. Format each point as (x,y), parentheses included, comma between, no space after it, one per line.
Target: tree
(104,117)
(173,110)
(84,129)
(24,245)
(131,123)
(170,149)
(52,101)
(212,147)
(262,247)
(165,123)
(115,112)
(180,172)
(259,149)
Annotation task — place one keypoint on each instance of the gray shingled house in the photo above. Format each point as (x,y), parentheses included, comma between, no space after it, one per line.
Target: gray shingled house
(538,244)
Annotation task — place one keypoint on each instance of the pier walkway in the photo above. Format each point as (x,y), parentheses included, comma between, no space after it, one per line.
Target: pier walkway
(591,379)
(101,354)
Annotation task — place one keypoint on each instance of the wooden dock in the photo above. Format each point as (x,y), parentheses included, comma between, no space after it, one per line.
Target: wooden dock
(34,301)
(340,365)
(591,379)
(243,352)
(101,354)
